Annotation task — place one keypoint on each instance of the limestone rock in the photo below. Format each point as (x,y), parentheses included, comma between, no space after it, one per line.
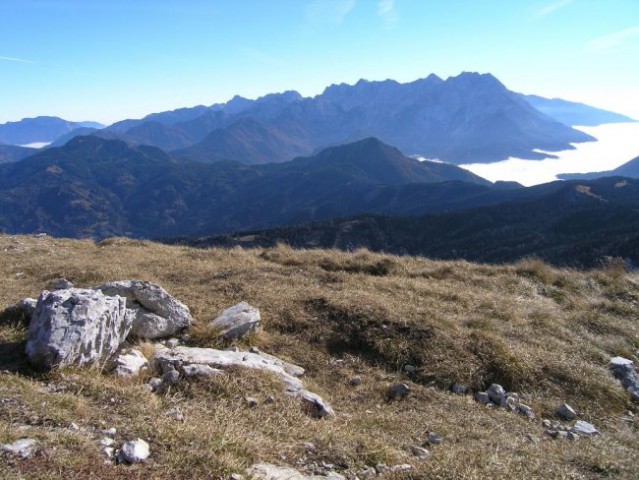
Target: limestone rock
(268,471)
(237,321)
(584,428)
(419,452)
(496,393)
(129,364)
(624,370)
(134,451)
(23,448)
(566,412)
(434,439)
(526,410)
(166,359)
(355,381)
(76,327)
(154,313)
(459,389)
(197,370)
(482,397)
(62,284)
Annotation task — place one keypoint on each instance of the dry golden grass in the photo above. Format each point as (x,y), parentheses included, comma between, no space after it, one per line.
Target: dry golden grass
(543,332)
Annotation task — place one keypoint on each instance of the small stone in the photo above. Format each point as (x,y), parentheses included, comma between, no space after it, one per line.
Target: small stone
(254,350)
(419,452)
(410,368)
(155,384)
(434,439)
(252,401)
(459,389)
(527,411)
(107,442)
(368,473)
(172,342)
(235,476)
(496,393)
(171,377)
(309,447)
(566,412)
(482,397)
(109,451)
(584,428)
(511,404)
(572,436)
(130,364)
(186,338)
(74,426)
(546,423)
(404,467)
(355,381)
(381,468)
(134,451)
(23,448)
(62,284)
(398,391)
(111,432)
(270,399)
(562,435)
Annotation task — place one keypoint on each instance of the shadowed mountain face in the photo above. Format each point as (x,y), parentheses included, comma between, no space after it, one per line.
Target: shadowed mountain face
(11,153)
(628,169)
(97,187)
(39,129)
(464,119)
(573,113)
(566,223)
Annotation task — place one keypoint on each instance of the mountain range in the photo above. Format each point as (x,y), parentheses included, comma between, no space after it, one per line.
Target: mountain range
(39,130)
(98,187)
(469,118)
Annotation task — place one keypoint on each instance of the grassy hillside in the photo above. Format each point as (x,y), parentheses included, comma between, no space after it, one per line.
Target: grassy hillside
(543,332)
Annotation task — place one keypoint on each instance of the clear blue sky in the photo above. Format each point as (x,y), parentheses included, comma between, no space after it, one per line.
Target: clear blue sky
(107,60)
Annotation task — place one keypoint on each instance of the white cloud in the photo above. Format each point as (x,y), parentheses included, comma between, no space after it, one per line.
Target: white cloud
(387,12)
(552,8)
(14,59)
(612,39)
(331,12)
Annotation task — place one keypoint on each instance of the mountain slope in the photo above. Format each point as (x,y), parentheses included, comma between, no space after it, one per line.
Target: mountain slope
(573,113)
(99,187)
(11,153)
(628,169)
(247,141)
(39,129)
(567,223)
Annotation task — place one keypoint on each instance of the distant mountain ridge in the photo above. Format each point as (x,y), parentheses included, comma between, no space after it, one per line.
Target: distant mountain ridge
(97,188)
(12,153)
(464,119)
(39,130)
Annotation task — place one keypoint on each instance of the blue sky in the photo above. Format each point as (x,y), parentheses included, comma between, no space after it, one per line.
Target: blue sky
(107,60)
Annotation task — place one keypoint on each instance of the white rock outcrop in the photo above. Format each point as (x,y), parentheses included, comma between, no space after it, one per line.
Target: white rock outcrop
(237,321)
(154,313)
(76,327)
(182,357)
(129,364)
